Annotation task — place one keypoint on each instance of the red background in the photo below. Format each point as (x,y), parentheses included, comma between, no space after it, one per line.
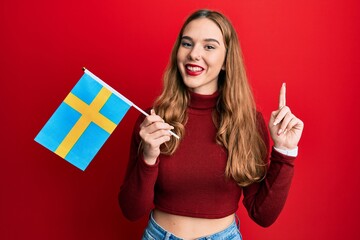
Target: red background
(312,45)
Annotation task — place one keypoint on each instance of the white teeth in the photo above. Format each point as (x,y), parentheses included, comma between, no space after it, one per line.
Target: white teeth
(194,69)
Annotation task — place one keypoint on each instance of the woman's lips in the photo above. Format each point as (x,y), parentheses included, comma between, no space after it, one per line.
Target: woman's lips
(193,70)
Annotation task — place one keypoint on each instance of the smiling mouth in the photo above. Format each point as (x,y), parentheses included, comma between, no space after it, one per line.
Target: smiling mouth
(193,70)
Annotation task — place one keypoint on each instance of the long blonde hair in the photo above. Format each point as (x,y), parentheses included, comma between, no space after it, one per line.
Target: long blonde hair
(235,115)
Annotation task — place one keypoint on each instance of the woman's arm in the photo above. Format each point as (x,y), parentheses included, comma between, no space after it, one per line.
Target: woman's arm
(265,200)
(137,191)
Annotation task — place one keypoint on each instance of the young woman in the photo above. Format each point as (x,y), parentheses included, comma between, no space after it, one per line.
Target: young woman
(191,187)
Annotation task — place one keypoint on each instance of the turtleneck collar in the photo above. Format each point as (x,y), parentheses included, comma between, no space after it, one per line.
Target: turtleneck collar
(199,101)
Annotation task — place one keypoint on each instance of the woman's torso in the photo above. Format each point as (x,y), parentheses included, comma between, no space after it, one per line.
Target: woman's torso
(192,182)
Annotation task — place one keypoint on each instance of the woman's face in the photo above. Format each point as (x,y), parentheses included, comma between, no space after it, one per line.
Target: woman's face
(201,55)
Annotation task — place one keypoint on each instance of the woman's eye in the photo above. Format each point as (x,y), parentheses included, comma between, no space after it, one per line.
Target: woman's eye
(186,44)
(209,47)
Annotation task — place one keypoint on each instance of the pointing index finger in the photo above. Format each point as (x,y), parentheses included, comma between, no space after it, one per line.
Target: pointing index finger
(282,97)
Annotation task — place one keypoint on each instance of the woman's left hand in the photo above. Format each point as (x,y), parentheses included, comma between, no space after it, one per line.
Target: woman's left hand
(285,127)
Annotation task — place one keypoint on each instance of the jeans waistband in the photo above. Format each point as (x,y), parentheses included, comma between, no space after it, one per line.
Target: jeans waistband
(155,231)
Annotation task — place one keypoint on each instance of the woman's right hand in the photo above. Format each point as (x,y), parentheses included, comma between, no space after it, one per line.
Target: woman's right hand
(153,132)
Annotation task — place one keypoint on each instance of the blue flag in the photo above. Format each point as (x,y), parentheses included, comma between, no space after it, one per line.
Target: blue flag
(84,121)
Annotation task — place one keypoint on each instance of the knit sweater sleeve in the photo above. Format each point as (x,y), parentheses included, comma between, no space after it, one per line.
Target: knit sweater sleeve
(137,191)
(265,200)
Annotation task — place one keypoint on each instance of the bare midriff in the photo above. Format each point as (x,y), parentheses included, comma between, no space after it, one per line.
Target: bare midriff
(190,227)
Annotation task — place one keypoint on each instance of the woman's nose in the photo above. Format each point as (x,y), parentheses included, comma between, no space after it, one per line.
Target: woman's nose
(195,54)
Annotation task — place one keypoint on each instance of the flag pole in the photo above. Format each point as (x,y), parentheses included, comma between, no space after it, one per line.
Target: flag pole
(120,96)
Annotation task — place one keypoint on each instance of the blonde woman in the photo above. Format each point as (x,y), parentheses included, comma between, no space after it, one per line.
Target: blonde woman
(191,187)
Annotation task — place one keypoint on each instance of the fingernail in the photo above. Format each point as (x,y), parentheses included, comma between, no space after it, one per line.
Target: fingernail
(280,131)
(275,122)
(285,131)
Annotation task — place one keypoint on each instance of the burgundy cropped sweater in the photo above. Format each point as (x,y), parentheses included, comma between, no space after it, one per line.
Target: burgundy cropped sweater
(191,182)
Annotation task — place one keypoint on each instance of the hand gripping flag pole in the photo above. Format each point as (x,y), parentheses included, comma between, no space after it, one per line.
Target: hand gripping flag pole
(84,120)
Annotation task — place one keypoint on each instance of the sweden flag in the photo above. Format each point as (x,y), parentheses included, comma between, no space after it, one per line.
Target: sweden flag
(84,121)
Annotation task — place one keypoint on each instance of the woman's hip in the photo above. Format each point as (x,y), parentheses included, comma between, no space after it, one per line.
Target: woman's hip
(156,232)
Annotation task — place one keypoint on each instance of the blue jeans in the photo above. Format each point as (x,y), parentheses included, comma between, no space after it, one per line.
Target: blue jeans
(155,232)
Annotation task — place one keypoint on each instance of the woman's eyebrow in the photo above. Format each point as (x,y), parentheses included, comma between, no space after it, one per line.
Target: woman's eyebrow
(187,38)
(212,40)
(205,40)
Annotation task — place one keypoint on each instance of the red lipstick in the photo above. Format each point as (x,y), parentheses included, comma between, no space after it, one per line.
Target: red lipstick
(193,70)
